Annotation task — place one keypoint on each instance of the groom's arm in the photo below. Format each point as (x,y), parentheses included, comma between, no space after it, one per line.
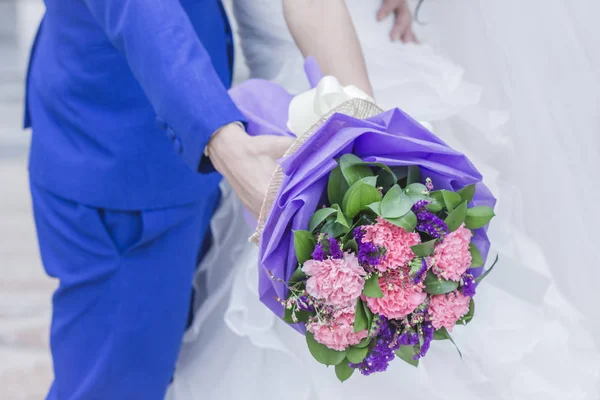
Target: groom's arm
(172,66)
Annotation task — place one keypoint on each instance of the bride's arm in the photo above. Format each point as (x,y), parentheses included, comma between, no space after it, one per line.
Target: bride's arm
(323,29)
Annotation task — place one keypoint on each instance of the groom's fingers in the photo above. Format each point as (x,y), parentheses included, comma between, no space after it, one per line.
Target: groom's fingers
(274,146)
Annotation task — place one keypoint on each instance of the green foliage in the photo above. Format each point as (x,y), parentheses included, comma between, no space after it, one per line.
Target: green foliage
(435,285)
(304,244)
(372,288)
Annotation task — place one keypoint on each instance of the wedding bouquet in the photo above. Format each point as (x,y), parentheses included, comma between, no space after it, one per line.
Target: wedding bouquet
(372,236)
(384,267)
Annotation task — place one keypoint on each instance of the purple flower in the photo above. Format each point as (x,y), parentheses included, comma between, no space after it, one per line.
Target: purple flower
(334,248)
(368,253)
(429,184)
(427,221)
(383,352)
(304,305)
(408,339)
(419,275)
(428,331)
(468,288)
(318,253)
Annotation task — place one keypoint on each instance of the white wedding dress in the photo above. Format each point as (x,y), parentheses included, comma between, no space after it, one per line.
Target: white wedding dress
(526,341)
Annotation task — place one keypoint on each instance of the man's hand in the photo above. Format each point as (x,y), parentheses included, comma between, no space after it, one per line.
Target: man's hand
(247,162)
(403,20)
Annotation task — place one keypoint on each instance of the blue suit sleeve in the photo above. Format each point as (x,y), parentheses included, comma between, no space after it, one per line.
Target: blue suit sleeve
(172,66)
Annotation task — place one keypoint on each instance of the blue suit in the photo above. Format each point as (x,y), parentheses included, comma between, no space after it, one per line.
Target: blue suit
(122,98)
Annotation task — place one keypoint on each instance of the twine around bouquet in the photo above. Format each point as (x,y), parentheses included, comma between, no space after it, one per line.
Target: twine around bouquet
(357,108)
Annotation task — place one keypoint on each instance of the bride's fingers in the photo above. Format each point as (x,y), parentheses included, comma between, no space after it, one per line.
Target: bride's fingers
(401,25)
(387,6)
(410,37)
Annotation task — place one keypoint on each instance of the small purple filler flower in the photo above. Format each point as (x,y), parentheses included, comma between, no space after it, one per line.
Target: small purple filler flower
(427,221)
(468,288)
(418,276)
(368,253)
(383,352)
(318,253)
(428,331)
(334,248)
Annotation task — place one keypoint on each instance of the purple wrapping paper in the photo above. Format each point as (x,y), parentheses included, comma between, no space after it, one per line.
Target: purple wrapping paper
(392,138)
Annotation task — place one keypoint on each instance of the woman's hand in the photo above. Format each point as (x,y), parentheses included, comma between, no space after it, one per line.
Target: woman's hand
(403,20)
(324,29)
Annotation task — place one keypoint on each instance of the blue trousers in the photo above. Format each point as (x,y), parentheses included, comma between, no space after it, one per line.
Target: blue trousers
(122,305)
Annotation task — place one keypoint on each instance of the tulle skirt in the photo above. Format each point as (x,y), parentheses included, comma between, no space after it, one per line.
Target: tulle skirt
(527,340)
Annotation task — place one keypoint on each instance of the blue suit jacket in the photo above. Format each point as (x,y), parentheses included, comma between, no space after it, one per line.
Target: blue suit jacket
(123,95)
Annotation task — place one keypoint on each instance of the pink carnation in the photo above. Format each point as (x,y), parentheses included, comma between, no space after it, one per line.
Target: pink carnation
(339,333)
(396,240)
(452,257)
(337,282)
(400,297)
(446,309)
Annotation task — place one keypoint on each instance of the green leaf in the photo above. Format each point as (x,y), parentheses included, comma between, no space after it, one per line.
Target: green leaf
(383,168)
(478,217)
(438,196)
(354,169)
(322,353)
(385,179)
(408,221)
(424,249)
(351,245)
(434,205)
(357,354)
(336,186)
(333,229)
(364,343)
(436,285)
(451,199)
(361,321)
(414,174)
(369,315)
(343,371)
(467,193)
(395,203)
(406,353)
(400,171)
(340,218)
(455,346)
(486,273)
(416,189)
(302,316)
(441,334)
(319,217)
(372,288)
(304,244)
(455,219)
(297,276)
(287,316)
(359,196)
(375,207)
(465,319)
(477,260)
(370,180)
